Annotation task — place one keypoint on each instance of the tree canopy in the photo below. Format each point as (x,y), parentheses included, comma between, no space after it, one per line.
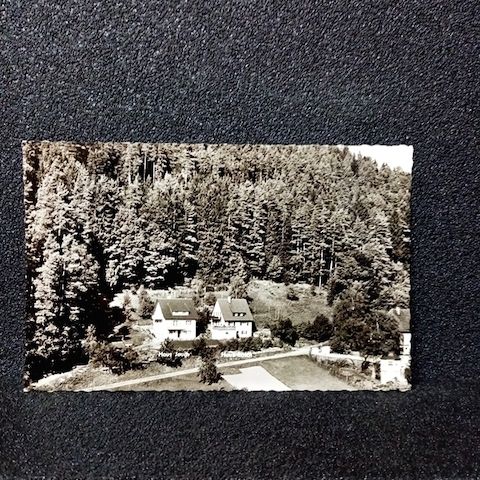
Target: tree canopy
(103,217)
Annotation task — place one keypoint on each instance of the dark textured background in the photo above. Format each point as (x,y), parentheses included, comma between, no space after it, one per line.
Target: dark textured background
(256,71)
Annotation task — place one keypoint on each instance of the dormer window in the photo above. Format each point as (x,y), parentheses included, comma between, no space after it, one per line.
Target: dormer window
(180,314)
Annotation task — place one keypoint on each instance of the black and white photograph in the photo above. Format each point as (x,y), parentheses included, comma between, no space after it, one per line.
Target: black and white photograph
(217,267)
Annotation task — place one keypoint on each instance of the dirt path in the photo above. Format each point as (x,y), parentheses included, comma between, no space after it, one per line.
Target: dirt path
(137,381)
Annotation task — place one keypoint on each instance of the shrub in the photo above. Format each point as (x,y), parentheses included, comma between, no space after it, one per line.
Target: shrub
(320,330)
(277,342)
(203,320)
(208,371)
(200,348)
(145,303)
(167,354)
(245,344)
(233,344)
(117,360)
(210,299)
(285,331)
(256,344)
(267,343)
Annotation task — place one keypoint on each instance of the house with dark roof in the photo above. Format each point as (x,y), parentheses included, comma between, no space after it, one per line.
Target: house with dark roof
(231,318)
(175,319)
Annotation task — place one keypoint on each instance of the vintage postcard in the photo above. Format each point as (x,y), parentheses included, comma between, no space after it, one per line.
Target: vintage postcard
(217,267)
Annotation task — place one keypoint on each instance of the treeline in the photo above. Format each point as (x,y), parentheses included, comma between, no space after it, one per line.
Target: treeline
(102,217)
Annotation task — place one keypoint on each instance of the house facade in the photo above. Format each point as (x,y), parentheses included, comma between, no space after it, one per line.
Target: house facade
(175,319)
(402,317)
(231,318)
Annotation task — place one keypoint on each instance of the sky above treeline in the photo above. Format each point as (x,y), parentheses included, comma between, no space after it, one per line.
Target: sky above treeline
(393,155)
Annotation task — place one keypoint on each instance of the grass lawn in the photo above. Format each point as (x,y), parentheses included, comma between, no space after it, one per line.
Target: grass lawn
(298,373)
(184,382)
(87,376)
(269,300)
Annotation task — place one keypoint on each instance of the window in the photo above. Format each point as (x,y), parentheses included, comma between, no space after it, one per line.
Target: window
(188,322)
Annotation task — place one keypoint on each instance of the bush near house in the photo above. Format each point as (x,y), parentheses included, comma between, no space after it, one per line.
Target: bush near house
(285,331)
(145,303)
(319,330)
(249,344)
(167,354)
(208,371)
(209,299)
(201,349)
(117,360)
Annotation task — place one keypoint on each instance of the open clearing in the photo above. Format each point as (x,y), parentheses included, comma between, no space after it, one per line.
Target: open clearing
(299,373)
(182,383)
(294,373)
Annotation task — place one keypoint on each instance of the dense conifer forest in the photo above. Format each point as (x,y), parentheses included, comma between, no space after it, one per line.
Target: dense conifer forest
(104,217)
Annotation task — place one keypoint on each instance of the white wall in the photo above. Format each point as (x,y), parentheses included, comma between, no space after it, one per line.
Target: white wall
(244,329)
(406,343)
(157,314)
(237,329)
(223,334)
(216,311)
(188,329)
(392,371)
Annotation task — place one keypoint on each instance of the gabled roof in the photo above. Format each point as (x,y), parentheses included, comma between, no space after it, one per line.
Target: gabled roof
(235,306)
(169,305)
(402,316)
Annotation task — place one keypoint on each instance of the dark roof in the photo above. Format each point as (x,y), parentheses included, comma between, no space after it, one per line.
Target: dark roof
(235,305)
(402,316)
(169,305)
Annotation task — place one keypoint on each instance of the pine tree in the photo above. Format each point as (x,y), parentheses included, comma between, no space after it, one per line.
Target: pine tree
(188,243)
(397,231)
(127,251)
(275,269)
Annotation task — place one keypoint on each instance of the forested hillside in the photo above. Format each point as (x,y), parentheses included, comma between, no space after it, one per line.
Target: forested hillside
(102,217)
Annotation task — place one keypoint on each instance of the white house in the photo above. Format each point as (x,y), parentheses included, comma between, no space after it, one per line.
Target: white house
(231,318)
(174,318)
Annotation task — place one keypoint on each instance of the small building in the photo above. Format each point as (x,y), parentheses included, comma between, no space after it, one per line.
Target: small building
(395,369)
(231,318)
(402,317)
(175,319)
